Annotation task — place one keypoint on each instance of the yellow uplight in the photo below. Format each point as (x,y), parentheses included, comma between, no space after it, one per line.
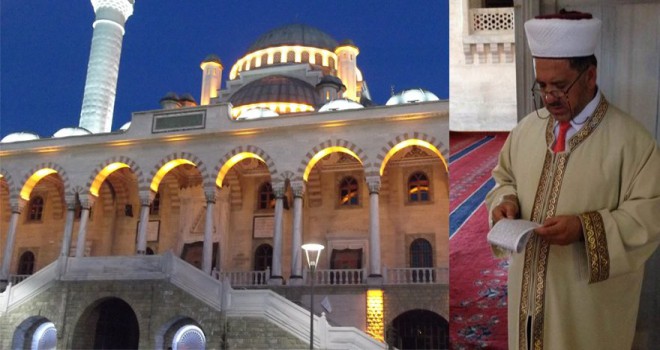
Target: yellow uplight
(279,107)
(375,323)
(103,174)
(231,162)
(324,152)
(33,180)
(411,142)
(166,169)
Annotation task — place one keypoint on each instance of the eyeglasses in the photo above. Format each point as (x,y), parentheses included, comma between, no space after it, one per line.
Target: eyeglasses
(557,94)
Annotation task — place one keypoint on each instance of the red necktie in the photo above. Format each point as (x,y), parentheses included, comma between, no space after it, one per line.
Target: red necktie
(561,136)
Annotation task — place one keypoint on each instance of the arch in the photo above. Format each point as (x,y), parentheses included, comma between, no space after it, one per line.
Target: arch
(108,323)
(172,161)
(26,263)
(37,173)
(167,333)
(189,337)
(263,257)
(325,148)
(236,155)
(418,329)
(11,187)
(35,330)
(414,139)
(421,253)
(103,170)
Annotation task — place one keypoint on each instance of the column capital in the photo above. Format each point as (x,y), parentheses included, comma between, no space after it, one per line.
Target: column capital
(146,197)
(279,189)
(211,195)
(125,7)
(17,204)
(373,182)
(298,188)
(70,200)
(86,201)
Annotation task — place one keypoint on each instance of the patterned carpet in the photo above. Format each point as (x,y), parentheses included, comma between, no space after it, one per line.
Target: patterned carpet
(477,281)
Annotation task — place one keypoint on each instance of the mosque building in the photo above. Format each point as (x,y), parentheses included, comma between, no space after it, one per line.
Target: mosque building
(185,226)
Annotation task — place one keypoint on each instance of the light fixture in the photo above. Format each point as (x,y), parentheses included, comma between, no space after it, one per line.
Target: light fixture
(312,253)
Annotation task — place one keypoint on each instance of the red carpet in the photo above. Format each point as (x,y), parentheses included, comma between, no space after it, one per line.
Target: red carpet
(477,280)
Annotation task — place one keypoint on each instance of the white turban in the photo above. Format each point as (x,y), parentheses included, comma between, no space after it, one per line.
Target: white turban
(563,36)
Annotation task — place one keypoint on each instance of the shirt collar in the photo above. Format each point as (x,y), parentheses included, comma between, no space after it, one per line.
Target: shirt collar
(586,112)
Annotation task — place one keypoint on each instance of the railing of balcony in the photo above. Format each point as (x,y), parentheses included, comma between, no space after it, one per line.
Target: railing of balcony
(244,278)
(341,277)
(15,279)
(415,275)
(491,20)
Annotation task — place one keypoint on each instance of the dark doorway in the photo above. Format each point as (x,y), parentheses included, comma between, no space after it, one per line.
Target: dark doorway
(117,326)
(419,329)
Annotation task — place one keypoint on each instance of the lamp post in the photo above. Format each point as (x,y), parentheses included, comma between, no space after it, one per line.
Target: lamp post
(312,253)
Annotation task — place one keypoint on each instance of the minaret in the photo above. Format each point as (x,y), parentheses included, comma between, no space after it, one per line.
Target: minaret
(103,67)
(211,79)
(347,68)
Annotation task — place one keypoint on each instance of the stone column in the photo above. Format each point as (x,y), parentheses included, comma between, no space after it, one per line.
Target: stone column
(86,202)
(373,182)
(145,200)
(16,208)
(207,253)
(298,188)
(68,226)
(276,272)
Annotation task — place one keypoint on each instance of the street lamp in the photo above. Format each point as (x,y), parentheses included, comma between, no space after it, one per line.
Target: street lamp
(312,252)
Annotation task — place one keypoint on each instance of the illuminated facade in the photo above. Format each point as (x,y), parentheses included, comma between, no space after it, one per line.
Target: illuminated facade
(208,205)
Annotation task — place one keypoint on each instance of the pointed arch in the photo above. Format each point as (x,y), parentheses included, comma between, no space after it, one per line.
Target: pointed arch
(34,175)
(107,167)
(172,161)
(325,148)
(236,155)
(9,181)
(410,139)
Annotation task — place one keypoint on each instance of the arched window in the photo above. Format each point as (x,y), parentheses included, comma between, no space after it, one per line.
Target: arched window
(263,257)
(45,337)
(418,187)
(154,207)
(421,253)
(277,58)
(189,337)
(331,62)
(319,59)
(266,198)
(304,58)
(348,192)
(26,263)
(264,59)
(36,208)
(291,56)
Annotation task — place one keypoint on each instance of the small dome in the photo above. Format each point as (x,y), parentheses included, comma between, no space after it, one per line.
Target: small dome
(19,136)
(347,42)
(170,96)
(330,79)
(187,97)
(212,58)
(340,104)
(275,88)
(412,96)
(125,126)
(257,113)
(73,131)
(294,34)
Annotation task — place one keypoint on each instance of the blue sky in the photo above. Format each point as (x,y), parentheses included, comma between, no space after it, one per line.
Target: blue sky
(45,49)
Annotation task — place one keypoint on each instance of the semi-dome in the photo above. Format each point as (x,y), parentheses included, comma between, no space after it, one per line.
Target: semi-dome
(19,136)
(294,34)
(72,131)
(412,96)
(340,104)
(275,88)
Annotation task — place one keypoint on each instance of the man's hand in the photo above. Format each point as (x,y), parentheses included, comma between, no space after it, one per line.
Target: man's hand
(561,230)
(507,209)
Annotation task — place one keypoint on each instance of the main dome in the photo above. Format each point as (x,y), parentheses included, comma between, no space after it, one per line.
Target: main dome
(294,34)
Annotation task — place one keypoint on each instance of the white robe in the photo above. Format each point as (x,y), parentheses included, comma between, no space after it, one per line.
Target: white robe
(584,295)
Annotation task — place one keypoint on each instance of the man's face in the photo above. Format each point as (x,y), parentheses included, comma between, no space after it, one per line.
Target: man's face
(557,75)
